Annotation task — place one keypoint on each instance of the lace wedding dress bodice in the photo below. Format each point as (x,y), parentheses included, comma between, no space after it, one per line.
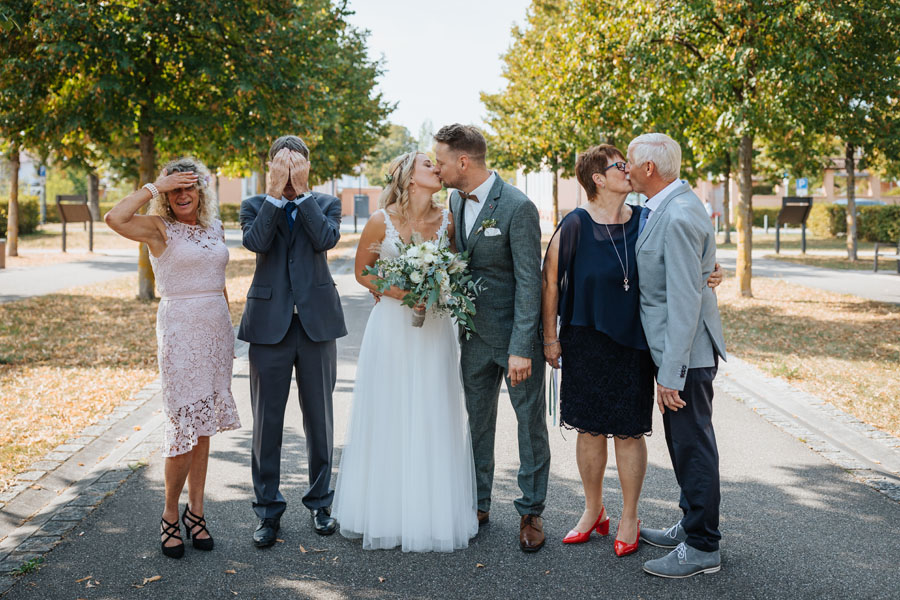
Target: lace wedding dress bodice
(390,245)
(194,335)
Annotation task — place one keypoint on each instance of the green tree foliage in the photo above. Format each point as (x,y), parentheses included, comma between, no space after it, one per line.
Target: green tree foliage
(219,79)
(527,118)
(397,141)
(24,77)
(855,96)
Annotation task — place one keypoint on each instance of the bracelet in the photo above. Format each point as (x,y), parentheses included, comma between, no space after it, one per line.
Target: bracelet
(154,193)
(556,341)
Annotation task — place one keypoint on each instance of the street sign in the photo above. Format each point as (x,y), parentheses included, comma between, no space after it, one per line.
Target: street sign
(802,186)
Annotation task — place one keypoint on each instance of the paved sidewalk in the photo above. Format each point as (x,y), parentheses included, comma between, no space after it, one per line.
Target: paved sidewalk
(881,286)
(21,282)
(795,524)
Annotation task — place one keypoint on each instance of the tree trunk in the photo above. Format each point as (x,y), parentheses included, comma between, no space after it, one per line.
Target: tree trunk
(744,216)
(147,169)
(555,196)
(12,215)
(850,166)
(726,198)
(261,176)
(93,189)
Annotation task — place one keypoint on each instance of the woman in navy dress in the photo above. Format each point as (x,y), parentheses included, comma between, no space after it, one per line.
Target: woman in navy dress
(606,391)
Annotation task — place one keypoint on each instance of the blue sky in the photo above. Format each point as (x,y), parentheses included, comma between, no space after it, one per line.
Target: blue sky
(439,55)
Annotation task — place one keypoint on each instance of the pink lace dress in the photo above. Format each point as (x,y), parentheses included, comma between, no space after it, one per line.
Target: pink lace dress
(195,338)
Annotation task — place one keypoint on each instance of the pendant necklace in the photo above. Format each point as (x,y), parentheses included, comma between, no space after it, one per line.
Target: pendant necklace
(624,266)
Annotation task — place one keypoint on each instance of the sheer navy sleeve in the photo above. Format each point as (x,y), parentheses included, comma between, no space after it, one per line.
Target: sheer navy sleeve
(569,232)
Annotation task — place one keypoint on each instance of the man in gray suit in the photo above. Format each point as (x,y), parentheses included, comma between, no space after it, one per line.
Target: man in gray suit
(292,318)
(499,227)
(676,252)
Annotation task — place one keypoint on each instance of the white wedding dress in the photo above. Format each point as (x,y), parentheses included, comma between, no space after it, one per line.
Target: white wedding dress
(407,477)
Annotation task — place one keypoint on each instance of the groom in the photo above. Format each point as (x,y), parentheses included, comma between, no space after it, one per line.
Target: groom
(292,318)
(499,227)
(676,252)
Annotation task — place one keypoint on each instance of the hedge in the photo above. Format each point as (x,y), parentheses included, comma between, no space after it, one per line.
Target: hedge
(29,214)
(879,223)
(230,213)
(873,224)
(827,220)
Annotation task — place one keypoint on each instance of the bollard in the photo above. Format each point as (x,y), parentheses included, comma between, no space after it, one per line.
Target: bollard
(766,223)
(2,253)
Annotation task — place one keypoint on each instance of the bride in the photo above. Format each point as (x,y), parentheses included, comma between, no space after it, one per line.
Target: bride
(407,476)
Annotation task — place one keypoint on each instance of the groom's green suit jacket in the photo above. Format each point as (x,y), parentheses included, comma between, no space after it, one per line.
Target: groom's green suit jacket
(509,265)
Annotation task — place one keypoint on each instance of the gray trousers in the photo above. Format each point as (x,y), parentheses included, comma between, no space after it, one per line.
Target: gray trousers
(314,364)
(483,370)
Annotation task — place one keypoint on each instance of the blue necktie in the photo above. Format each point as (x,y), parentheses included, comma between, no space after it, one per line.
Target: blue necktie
(645,214)
(289,208)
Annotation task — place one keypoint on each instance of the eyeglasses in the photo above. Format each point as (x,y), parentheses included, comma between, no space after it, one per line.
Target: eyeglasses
(619,165)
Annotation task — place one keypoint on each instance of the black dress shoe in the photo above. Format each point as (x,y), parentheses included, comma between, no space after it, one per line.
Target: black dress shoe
(264,536)
(323,522)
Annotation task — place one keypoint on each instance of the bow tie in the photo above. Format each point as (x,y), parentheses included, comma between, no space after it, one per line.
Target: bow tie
(466,196)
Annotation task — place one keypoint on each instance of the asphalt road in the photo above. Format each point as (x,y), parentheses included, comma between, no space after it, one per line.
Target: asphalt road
(794,526)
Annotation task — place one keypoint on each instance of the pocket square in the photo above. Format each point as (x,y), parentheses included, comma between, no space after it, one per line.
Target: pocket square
(491,232)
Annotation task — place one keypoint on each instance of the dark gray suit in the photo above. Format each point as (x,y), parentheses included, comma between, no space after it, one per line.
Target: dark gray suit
(676,252)
(292,318)
(506,320)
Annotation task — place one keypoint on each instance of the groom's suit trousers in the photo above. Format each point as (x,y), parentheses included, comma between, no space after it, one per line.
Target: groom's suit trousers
(483,368)
(314,364)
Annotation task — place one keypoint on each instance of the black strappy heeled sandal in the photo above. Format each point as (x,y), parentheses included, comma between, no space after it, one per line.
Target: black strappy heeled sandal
(167,532)
(196,521)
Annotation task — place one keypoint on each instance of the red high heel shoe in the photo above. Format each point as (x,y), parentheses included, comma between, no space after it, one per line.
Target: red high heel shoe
(576,537)
(623,549)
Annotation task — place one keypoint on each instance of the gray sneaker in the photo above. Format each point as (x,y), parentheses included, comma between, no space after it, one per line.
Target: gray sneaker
(684,561)
(664,538)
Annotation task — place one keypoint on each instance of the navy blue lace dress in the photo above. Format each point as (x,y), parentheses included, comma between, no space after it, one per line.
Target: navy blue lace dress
(607,372)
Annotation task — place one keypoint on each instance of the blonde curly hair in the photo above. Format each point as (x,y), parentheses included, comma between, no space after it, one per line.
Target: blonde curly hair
(397,180)
(208,209)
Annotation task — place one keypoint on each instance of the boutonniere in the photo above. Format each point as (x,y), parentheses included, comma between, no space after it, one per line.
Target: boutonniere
(489,227)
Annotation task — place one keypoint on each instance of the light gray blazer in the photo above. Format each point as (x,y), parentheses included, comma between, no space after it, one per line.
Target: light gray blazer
(676,253)
(509,264)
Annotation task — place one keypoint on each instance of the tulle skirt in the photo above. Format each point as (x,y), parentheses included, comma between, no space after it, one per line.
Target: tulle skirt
(407,476)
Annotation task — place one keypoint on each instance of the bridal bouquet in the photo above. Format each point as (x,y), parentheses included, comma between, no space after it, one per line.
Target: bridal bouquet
(435,278)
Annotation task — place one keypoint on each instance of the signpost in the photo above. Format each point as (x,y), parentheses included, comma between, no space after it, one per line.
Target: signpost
(74,209)
(42,173)
(360,208)
(794,211)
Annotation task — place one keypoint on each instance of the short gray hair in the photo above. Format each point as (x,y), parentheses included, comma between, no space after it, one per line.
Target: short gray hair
(661,150)
(291,142)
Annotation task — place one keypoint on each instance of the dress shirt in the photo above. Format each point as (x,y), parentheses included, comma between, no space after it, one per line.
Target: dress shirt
(283,201)
(654,202)
(473,209)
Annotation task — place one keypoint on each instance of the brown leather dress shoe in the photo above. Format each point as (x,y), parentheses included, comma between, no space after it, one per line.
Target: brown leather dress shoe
(483,517)
(531,533)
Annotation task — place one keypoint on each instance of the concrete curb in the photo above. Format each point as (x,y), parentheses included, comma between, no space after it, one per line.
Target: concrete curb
(871,455)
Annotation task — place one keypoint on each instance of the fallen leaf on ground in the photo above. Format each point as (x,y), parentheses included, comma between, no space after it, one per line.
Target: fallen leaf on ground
(137,427)
(381,580)
(80,464)
(479,566)
(83,579)
(231,571)
(151,579)
(35,486)
(303,550)
(122,438)
(279,540)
